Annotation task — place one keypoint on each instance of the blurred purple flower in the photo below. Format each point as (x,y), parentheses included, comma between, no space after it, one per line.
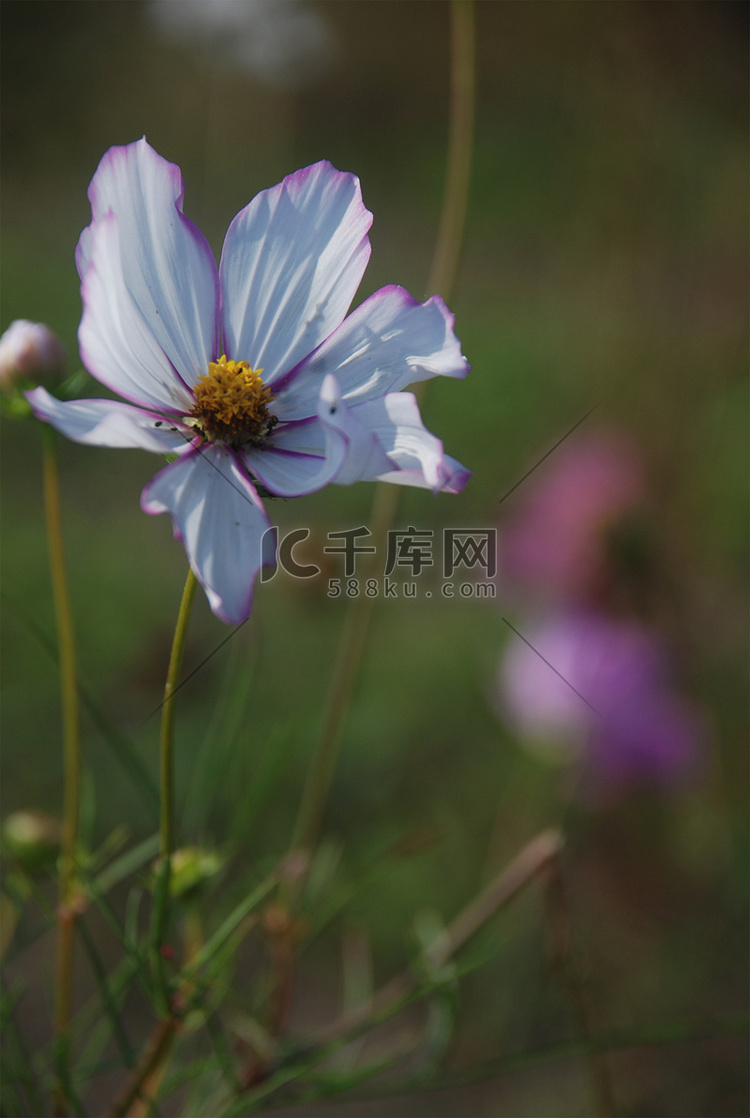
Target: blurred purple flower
(556,540)
(603,695)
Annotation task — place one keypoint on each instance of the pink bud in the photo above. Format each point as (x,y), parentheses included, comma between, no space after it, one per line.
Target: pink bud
(29,349)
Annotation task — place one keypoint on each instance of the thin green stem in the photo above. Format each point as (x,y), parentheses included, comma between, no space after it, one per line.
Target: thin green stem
(404,988)
(385,504)
(613,1040)
(66,913)
(167,718)
(346,669)
(153,1059)
(460,144)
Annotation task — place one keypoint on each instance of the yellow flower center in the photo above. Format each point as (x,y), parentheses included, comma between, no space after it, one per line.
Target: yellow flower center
(231,403)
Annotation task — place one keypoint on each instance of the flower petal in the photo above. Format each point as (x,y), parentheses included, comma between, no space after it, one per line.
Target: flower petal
(110,423)
(302,457)
(410,455)
(388,342)
(291,263)
(454,476)
(149,282)
(221,521)
(366,460)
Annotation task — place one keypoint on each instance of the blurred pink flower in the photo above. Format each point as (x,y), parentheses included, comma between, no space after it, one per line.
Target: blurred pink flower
(598,689)
(556,540)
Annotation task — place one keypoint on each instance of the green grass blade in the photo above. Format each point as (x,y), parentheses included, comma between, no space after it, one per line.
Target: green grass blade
(111,1008)
(127,863)
(232,922)
(121,746)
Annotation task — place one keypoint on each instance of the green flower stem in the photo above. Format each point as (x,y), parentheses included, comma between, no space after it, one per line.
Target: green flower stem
(345,672)
(533,861)
(385,505)
(136,1099)
(460,144)
(67,908)
(137,1089)
(167,719)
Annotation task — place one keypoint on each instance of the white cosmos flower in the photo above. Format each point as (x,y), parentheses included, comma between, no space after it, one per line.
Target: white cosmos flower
(250,373)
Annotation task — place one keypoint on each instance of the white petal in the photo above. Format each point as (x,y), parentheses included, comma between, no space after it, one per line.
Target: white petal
(291,263)
(110,423)
(297,462)
(117,343)
(302,457)
(221,521)
(365,459)
(150,286)
(415,456)
(388,342)
(454,475)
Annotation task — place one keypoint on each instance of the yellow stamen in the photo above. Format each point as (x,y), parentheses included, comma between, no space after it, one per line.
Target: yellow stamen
(231,403)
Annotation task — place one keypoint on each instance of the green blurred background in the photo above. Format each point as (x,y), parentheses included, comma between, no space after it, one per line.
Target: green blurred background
(605,263)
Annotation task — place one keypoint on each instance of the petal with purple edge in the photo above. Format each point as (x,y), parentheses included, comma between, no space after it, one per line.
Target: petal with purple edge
(301,458)
(366,460)
(291,264)
(454,476)
(387,343)
(117,343)
(221,521)
(110,423)
(150,285)
(415,457)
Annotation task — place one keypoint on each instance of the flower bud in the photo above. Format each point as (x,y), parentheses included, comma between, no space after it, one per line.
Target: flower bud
(29,349)
(33,839)
(191,869)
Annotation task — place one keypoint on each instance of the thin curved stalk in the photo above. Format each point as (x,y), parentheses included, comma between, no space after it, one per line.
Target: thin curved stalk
(166,826)
(460,145)
(533,861)
(385,504)
(67,908)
